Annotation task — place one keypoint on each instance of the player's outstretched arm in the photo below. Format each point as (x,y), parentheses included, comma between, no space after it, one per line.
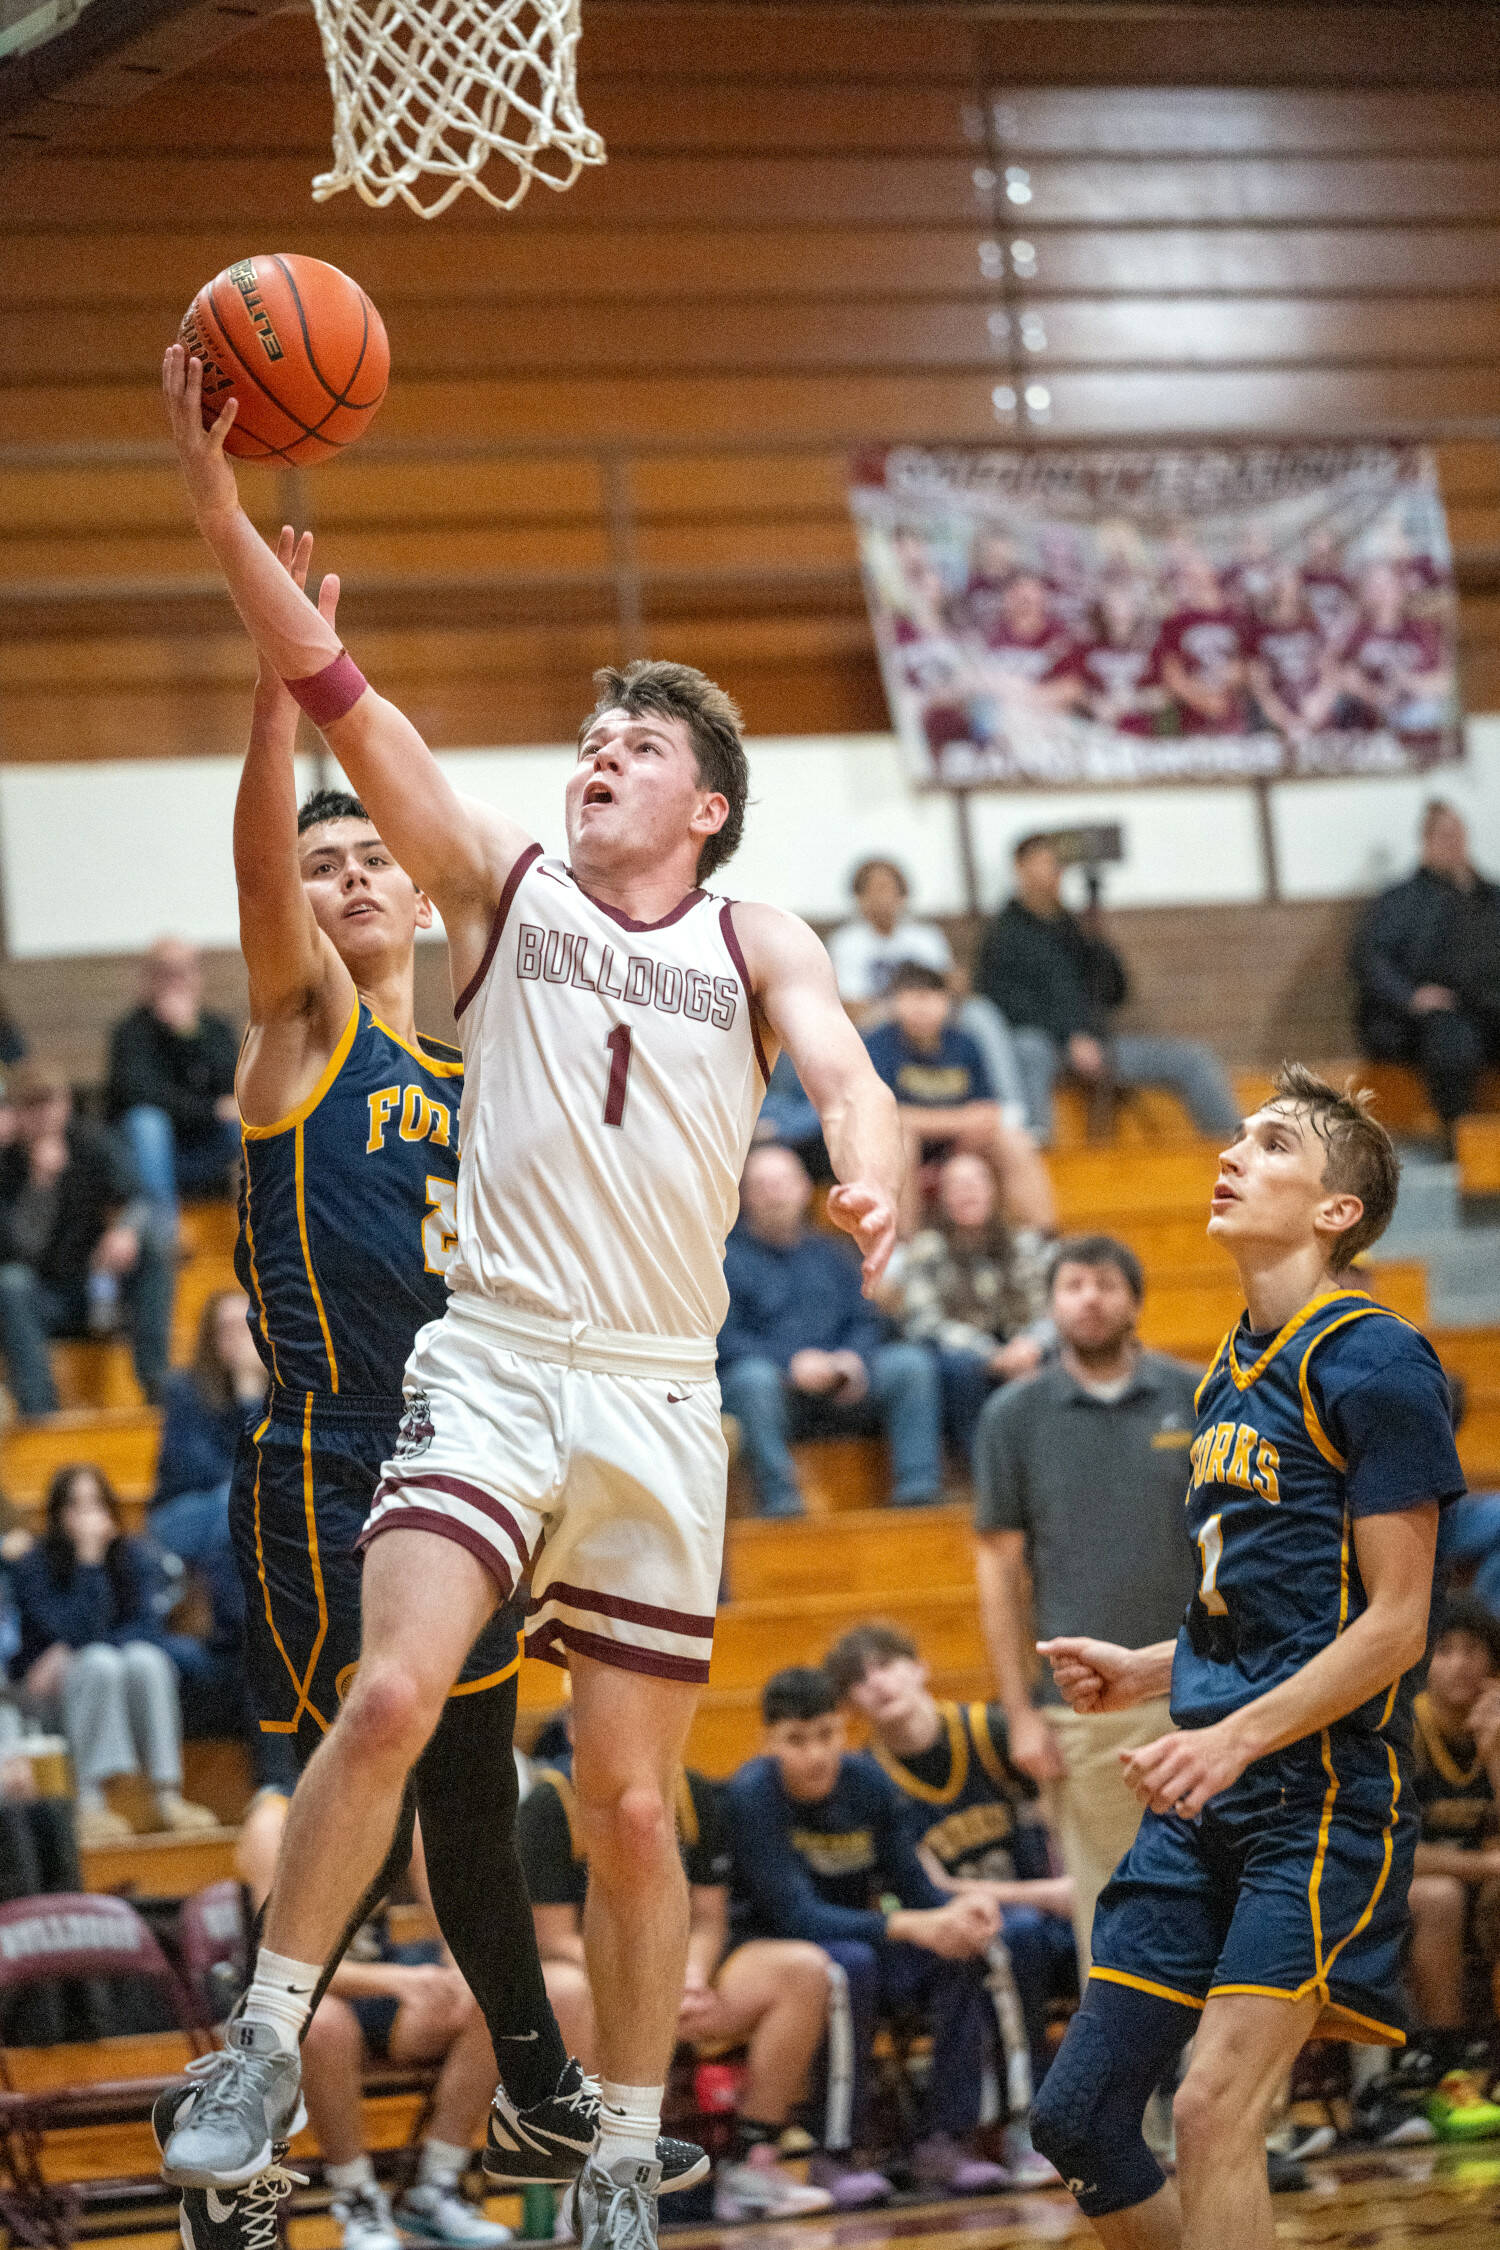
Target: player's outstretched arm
(794,984)
(286,954)
(460,860)
(1101,1676)
(300,991)
(1395,1553)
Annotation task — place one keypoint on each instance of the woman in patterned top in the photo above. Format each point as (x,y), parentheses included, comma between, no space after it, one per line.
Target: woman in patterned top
(976,1292)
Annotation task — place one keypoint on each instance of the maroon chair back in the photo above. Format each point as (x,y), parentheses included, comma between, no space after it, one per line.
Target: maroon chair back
(84,1934)
(211,1935)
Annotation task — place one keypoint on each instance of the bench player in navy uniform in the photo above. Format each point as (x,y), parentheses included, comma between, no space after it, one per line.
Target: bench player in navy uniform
(350,1167)
(974,1820)
(1265,1895)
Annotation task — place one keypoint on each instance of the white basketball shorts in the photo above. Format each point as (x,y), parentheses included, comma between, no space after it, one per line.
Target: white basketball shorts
(592,1463)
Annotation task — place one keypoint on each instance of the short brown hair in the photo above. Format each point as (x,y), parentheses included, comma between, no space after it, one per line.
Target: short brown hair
(1361,1158)
(862,1649)
(713,721)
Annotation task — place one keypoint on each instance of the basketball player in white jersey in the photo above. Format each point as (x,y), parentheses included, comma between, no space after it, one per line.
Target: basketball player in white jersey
(618,1022)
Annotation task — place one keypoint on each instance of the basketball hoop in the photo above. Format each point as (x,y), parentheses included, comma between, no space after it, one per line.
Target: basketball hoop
(426,92)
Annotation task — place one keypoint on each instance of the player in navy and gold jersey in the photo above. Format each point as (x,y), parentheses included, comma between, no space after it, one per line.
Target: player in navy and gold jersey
(973,1818)
(1265,1894)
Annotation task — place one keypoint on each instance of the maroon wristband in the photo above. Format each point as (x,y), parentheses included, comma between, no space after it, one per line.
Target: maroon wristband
(327,695)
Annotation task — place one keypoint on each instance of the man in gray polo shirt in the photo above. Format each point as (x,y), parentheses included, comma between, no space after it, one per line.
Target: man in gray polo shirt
(1082,1473)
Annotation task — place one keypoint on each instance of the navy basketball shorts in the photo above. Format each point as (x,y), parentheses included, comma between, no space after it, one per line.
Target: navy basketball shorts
(1292,1882)
(304,1477)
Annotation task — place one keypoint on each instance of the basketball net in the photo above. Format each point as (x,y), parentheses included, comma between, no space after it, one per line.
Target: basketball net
(426,92)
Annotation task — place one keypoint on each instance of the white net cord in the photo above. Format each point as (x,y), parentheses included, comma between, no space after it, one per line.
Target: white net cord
(427,92)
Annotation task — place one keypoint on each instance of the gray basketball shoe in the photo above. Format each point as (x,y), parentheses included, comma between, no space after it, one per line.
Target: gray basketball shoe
(617,2208)
(243,2102)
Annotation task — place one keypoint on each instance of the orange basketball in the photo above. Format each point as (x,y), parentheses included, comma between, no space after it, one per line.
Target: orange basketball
(302,349)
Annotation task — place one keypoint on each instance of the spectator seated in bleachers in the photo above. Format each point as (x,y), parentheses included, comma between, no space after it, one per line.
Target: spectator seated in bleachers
(867,950)
(975,1292)
(769,1996)
(389,2003)
(820,1843)
(947,1099)
(881,937)
(1427,967)
(38,1849)
(1455,1894)
(802,1353)
(205,1408)
(974,1820)
(95,1659)
(1057,985)
(171,1084)
(78,1243)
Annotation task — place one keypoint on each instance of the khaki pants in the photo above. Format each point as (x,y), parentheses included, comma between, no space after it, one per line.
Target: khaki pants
(1093,1812)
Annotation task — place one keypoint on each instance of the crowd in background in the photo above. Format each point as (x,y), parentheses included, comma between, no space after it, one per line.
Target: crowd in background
(828,1886)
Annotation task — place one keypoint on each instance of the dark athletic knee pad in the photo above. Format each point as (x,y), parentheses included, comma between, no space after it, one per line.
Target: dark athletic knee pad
(1087,2118)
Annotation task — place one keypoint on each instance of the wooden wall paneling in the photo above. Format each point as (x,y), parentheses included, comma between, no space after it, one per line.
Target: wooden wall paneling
(1153,121)
(54,189)
(636,115)
(677,330)
(844,409)
(1267,191)
(1290,43)
(1260,259)
(695,410)
(692,334)
(136,265)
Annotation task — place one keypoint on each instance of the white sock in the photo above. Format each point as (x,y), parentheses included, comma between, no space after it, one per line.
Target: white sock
(280,1996)
(345,2179)
(441,2163)
(629,2122)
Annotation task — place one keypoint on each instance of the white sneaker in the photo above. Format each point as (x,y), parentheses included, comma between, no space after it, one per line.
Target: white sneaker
(438,2213)
(365,2221)
(764,2191)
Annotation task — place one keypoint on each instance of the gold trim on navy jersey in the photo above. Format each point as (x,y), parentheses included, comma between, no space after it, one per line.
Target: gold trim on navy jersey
(330,1071)
(927,1792)
(438,1063)
(1242,1379)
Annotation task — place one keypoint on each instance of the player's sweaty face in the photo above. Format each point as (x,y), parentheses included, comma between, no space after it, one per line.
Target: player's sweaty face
(1270,1180)
(634,790)
(365,903)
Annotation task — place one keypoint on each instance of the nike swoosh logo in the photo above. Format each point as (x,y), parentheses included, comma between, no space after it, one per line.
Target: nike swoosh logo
(674,1400)
(518,2038)
(218,2208)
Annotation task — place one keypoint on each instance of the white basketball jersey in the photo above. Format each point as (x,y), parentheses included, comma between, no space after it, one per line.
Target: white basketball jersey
(613,1071)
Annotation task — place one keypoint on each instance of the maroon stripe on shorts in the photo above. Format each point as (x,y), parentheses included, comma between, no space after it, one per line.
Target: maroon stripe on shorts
(410,1518)
(396,1486)
(552,1641)
(528,858)
(737,956)
(630,1613)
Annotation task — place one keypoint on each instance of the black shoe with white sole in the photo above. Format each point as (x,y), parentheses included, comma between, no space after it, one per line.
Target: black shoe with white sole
(242,2218)
(548,2144)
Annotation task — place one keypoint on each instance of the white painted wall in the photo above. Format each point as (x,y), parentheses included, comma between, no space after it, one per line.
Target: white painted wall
(102,858)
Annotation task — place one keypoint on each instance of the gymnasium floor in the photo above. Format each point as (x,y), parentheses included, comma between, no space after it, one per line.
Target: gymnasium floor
(1380,2202)
(1392,2200)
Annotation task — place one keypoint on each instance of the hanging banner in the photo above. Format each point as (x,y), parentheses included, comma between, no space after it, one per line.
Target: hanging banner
(1055,618)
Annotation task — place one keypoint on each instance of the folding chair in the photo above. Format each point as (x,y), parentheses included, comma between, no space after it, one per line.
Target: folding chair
(213,1947)
(67,1934)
